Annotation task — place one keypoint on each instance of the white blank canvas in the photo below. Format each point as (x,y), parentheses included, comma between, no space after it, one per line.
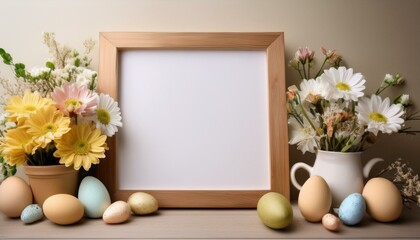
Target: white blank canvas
(193,120)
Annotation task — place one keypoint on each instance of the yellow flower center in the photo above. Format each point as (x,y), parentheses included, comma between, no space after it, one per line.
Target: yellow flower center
(49,127)
(73,104)
(343,86)
(29,108)
(81,147)
(103,116)
(378,117)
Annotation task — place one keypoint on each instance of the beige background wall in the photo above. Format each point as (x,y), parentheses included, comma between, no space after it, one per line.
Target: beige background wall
(375,37)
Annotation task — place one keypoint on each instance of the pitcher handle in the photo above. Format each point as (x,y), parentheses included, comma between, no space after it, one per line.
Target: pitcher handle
(369,165)
(295,167)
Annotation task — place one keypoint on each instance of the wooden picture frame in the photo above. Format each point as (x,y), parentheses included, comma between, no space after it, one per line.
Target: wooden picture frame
(111,43)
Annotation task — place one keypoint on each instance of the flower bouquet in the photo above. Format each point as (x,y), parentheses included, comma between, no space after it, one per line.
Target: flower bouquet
(330,115)
(54,115)
(331,112)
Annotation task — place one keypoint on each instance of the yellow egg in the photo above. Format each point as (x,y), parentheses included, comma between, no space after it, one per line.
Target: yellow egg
(15,195)
(314,199)
(142,203)
(383,200)
(275,210)
(63,209)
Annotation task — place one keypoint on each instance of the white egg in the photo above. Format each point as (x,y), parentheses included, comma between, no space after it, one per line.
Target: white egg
(118,212)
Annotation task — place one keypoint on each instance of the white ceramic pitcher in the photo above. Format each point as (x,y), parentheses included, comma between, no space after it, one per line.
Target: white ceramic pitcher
(342,171)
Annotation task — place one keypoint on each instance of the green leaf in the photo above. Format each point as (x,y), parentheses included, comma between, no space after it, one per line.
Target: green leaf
(19,66)
(20,72)
(50,65)
(77,62)
(2,51)
(7,59)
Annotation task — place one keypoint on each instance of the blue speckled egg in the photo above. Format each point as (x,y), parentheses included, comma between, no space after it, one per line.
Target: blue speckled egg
(352,209)
(31,214)
(94,197)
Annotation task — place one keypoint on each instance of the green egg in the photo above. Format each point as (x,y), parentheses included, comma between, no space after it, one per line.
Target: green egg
(275,210)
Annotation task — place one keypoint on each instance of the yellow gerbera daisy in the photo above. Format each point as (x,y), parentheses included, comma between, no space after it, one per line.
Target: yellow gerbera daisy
(16,145)
(19,108)
(45,125)
(81,146)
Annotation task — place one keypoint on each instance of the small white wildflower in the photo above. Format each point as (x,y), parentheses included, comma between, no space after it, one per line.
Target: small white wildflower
(85,77)
(403,99)
(36,72)
(389,79)
(392,80)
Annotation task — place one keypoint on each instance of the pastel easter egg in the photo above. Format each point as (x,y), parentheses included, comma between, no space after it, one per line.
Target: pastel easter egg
(275,210)
(314,199)
(383,200)
(15,195)
(118,212)
(331,222)
(94,197)
(31,214)
(352,209)
(142,203)
(63,209)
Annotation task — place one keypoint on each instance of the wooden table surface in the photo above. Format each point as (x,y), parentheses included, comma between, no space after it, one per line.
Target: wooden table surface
(210,224)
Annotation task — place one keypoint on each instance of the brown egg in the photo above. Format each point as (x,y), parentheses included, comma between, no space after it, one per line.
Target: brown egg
(63,209)
(15,195)
(383,200)
(314,199)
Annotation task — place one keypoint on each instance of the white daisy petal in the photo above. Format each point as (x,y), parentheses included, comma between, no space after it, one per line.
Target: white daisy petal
(380,116)
(344,84)
(305,137)
(108,115)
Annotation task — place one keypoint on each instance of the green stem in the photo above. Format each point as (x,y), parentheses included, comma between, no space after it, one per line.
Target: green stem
(381,89)
(304,71)
(301,77)
(307,118)
(321,68)
(309,70)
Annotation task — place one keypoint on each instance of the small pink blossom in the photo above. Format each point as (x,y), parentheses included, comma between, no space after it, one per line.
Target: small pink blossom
(291,92)
(304,54)
(73,99)
(328,53)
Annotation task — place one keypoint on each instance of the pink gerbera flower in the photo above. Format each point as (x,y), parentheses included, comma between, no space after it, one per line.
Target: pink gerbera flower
(73,99)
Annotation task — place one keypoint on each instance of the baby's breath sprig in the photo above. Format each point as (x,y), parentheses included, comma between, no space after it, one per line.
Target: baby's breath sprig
(406,180)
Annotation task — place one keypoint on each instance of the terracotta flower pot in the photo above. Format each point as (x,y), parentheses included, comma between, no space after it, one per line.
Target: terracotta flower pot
(46,181)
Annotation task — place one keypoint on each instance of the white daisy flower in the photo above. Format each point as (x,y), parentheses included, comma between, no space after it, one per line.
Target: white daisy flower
(304,136)
(379,115)
(312,90)
(344,84)
(107,115)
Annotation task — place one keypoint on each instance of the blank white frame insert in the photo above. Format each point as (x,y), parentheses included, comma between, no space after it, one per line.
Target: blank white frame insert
(193,120)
